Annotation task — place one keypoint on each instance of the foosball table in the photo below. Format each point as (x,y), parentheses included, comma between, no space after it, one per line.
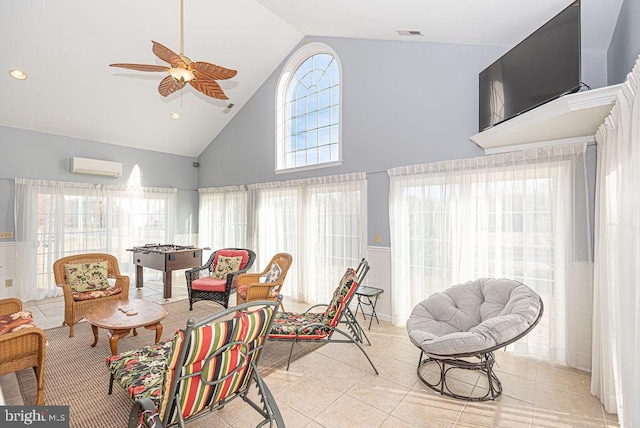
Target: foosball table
(165,258)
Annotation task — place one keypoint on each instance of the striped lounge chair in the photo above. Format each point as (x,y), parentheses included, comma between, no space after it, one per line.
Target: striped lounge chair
(320,327)
(199,370)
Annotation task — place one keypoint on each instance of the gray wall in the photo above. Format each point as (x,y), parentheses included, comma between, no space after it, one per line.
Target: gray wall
(625,43)
(403,103)
(27,154)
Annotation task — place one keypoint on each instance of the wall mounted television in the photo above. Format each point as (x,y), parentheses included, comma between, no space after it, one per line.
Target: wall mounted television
(543,67)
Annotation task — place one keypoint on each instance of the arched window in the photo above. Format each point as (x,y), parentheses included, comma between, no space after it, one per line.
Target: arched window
(308,131)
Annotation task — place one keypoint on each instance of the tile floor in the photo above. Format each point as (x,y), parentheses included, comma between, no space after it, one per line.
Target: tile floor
(336,387)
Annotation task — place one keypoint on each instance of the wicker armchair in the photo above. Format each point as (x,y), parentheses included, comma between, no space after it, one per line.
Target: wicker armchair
(249,287)
(22,348)
(201,285)
(76,304)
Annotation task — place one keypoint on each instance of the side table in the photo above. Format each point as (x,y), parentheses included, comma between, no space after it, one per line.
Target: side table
(368,293)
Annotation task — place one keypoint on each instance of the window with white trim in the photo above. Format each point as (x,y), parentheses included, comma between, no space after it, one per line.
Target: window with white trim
(308,129)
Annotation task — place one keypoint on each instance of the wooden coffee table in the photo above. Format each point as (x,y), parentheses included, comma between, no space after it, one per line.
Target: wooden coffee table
(110,316)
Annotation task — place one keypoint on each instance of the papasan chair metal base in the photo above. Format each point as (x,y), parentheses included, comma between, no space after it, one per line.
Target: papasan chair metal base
(484,364)
(460,329)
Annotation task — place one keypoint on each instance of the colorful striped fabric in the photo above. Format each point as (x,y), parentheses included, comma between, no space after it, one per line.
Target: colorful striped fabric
(232,361)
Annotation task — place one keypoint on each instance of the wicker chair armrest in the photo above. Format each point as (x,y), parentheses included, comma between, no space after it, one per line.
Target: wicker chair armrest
(232,275)
(67,293)
(123,281)
(257,291)
(21,342)
(10,305)
(248,278)
(194,273)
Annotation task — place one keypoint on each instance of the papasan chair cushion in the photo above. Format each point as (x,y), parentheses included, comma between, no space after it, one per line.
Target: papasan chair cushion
(473,317)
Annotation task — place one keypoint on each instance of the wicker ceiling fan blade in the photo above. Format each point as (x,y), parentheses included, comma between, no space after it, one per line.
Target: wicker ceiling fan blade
(141,67)
(212,71)
(169,85)
(167,55)
(209,87)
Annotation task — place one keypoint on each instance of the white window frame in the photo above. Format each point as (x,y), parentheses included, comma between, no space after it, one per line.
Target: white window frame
(288,71)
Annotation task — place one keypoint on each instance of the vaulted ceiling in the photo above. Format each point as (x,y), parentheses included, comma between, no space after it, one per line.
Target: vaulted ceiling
(65,48)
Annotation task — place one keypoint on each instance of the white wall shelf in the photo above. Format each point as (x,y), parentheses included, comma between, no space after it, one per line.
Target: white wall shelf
(568,119)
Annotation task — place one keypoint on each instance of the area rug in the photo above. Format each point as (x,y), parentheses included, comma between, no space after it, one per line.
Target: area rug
(76,374)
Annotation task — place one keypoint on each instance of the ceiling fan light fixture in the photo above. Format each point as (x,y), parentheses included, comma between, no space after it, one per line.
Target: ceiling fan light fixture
(18,74)
(182,75)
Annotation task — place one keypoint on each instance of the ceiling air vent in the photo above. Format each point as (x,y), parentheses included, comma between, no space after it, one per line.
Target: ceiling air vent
(410,32)
(95,167)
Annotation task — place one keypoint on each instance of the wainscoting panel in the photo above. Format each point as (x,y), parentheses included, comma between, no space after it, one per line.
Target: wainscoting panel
(379,276)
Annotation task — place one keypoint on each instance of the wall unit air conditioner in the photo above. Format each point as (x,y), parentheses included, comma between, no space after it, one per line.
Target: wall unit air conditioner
(95,167)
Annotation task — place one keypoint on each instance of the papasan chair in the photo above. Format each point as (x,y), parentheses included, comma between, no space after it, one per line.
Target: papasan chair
(462,326)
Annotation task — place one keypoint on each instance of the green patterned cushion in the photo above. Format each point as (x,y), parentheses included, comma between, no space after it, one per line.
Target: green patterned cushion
(141,372)
(87,276)
(226,265)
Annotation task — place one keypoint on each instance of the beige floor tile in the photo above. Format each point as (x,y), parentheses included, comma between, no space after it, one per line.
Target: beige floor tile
(208,421)
(347,412)
(408,353)
(422,408)
(378,392)
(393,422)
(396,371)
(551,419)
(517,387)
(567,405)
(503,412)
(310,398)
(535,393)
(565,379)
(353,356)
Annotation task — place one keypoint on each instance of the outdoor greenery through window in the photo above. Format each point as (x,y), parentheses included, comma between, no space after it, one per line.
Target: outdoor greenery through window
(309,109)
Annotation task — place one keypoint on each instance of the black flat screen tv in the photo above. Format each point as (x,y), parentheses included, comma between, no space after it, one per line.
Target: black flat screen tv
(544,66)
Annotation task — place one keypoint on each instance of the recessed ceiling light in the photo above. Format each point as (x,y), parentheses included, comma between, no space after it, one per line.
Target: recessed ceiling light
(18,74)
(175,116)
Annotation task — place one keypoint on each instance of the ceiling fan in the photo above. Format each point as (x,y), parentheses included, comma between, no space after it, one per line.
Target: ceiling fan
(201,75)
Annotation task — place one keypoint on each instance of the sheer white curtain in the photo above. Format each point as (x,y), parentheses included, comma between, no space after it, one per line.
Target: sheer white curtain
(55,219)
(222,219)
(520,215)
(321,222)
(616,372)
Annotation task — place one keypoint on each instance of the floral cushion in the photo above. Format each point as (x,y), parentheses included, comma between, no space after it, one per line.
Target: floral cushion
(88,295)
(141,372)
(226,265)
(87,276)
(288,324)
(16,321)
(341,295)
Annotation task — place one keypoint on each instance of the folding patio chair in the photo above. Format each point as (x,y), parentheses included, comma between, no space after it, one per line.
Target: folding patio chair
(320,326)
(200,370)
